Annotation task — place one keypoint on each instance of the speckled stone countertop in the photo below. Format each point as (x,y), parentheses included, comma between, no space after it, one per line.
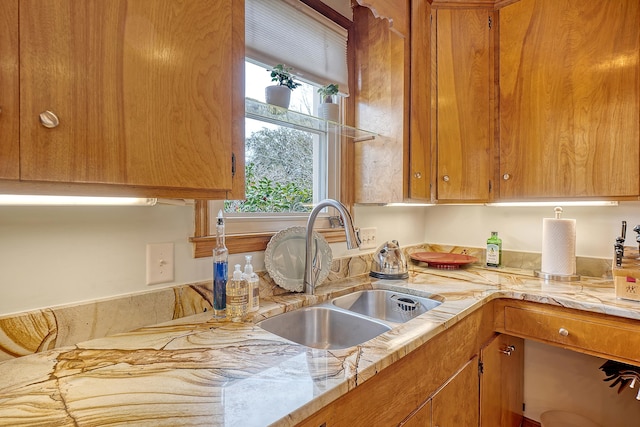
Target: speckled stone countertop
(196,371)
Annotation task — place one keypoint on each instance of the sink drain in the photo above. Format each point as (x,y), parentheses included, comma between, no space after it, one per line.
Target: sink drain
(405,303)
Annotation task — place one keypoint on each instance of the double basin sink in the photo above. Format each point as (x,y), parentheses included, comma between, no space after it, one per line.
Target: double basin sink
(349,320)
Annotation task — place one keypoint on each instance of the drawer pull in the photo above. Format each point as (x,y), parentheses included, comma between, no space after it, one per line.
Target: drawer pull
(510,349)
(49,119)
(563,332)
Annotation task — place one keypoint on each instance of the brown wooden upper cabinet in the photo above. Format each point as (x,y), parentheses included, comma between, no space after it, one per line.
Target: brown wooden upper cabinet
(134,97)
(464,120)
(9,91)
(448,137)
(392,61)
(569,99)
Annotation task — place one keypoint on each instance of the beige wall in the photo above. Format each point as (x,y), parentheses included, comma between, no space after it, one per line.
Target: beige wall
(52,256)
(521,227)
(58,255)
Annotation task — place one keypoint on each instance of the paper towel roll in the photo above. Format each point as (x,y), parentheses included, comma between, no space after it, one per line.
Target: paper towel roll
(559,246)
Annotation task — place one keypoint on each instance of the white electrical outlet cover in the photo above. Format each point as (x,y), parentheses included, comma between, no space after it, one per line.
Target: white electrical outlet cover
(160,263)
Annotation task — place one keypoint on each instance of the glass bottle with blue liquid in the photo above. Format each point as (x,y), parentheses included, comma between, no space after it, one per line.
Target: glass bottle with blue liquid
(220,270)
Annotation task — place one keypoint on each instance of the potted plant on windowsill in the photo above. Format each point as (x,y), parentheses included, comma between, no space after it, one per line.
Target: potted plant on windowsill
(280,94)
(329,108)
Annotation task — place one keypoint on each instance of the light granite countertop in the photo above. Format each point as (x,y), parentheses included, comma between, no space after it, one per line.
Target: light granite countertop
(197,371)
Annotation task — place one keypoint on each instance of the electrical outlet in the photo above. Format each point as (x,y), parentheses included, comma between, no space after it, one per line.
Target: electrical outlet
(160,263)
(368,238)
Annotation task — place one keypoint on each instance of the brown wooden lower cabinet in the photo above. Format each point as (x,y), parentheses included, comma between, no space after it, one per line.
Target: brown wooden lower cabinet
(440,384)
(502,382)
(421,417)
(437,376)
(453,404)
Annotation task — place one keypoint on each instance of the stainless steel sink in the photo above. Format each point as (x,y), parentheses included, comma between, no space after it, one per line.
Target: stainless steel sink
(323,327)
(387,305)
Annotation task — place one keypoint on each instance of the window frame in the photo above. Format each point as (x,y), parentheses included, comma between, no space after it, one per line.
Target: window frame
(204,241)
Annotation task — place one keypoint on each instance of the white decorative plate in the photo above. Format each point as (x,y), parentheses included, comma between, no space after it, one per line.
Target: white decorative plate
(284,258)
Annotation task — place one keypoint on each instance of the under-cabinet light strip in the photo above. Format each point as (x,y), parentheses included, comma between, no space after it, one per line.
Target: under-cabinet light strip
(517,204)
(29,200)
(556,203)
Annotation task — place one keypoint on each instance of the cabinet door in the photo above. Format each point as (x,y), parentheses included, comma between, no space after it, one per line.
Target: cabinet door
(456,404)
(421,118)
(420,418)
(569,95)
(142,91)
(502,382)
(9,95)
(463,102)
(381,96)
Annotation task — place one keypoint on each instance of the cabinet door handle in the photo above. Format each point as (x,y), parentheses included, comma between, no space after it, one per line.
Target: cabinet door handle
(417,175)
(49,119)
(445,178)
(508,350)
(563,332)
(506,176)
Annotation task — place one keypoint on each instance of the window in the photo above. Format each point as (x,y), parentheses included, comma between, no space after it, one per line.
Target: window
(288,167)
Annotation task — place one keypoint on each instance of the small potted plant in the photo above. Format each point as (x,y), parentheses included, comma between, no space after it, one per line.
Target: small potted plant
(280,93)
(329,109)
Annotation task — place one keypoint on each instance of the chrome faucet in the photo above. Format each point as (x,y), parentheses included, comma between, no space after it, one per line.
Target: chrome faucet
(353,241)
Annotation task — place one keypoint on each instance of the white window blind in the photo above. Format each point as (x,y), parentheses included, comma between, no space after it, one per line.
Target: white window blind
(290,32)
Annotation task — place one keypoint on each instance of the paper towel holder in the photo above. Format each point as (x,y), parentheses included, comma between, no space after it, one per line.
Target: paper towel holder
(553,276)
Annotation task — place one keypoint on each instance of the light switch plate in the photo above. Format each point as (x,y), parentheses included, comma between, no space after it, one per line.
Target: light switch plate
(368,238)
(160,263)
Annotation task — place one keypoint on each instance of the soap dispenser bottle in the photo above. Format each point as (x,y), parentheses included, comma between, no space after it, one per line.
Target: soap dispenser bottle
(237,296)
(253,284)
(220,270)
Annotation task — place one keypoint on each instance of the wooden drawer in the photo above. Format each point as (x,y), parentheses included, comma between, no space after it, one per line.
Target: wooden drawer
(603,336)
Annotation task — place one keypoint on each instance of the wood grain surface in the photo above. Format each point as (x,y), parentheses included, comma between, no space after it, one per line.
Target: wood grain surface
(142,90)
(9,92)
(464,126)
(569,94)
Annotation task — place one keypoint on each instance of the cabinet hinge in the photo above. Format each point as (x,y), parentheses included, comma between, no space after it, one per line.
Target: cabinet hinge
(523,405)
(480,367)
(233,164)
(490,22)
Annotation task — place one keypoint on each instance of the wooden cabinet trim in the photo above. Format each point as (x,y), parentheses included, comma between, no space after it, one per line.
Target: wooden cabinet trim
(396,12)
(9,90)
(240,243)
